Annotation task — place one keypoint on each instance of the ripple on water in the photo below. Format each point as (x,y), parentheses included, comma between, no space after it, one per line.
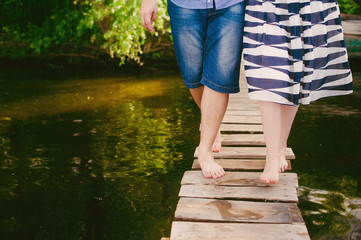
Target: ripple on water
(330,213)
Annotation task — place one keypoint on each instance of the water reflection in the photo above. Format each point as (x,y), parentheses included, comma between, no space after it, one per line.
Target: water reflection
(326,140)
(93,158)
(330,214)
(78,95)
(84,157)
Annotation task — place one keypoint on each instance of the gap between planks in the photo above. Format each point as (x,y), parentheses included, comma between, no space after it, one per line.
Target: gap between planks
(241,128)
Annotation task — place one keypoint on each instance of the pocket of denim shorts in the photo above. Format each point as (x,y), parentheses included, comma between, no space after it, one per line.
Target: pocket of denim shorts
(236,12)
(185,15)
(237,9)
(170,4)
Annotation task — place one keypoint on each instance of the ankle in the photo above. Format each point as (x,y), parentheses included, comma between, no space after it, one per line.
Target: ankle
(282,151)
(204,149)
(203,146)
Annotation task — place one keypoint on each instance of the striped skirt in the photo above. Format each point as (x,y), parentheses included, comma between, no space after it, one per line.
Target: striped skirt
(294,51)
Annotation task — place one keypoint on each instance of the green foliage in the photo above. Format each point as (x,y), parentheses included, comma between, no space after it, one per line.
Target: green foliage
(49,24)
(349,6)
(124,35)
(41,27)
(88,28)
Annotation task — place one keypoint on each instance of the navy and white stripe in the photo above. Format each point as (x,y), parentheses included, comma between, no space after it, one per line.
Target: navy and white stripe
(294,51)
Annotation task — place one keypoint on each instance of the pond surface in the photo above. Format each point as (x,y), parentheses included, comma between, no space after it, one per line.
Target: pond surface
(100,155)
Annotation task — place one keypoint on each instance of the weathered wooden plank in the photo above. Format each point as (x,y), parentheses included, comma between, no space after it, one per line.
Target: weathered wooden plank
(165,238)
(241,96)
(242,93)
(199,209)
(243,139)
(245,152)
(250,179)
(238,231)
(243,102)
(240,106)
(239,164)
(269,193)
(241,128)
(243,113)
(352,27)
(242,119)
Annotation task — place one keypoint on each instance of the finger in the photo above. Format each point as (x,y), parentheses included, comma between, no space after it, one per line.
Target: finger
(148,23)
(142,19)
(154,16)
(145,18)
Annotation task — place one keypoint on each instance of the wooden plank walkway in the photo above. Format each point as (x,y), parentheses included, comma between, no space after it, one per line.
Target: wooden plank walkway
(239,205)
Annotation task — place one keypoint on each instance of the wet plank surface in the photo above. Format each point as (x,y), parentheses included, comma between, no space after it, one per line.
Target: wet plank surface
(215,210)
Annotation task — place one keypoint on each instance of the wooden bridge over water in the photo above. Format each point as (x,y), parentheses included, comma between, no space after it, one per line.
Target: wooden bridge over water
(238,205)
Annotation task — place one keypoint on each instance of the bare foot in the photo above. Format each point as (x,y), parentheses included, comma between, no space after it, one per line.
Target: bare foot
(271,170)
(209,167)
(283,164)
(217,144)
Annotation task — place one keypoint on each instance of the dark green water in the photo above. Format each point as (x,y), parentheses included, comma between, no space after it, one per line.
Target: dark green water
(89,155)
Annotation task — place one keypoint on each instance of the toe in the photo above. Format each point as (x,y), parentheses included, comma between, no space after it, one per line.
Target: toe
(214,175)
(220,173)
(216,148)
(262,179)
(273,181)
(265,181)
(207,174)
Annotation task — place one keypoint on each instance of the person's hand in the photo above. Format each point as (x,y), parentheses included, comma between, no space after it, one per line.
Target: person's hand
(148,13)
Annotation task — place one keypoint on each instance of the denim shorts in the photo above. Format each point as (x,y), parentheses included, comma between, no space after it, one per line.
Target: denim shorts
(208,45)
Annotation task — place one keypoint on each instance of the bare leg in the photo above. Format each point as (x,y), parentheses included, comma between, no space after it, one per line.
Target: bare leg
(271,120)
(197,94)
(288,115)
(213,107)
